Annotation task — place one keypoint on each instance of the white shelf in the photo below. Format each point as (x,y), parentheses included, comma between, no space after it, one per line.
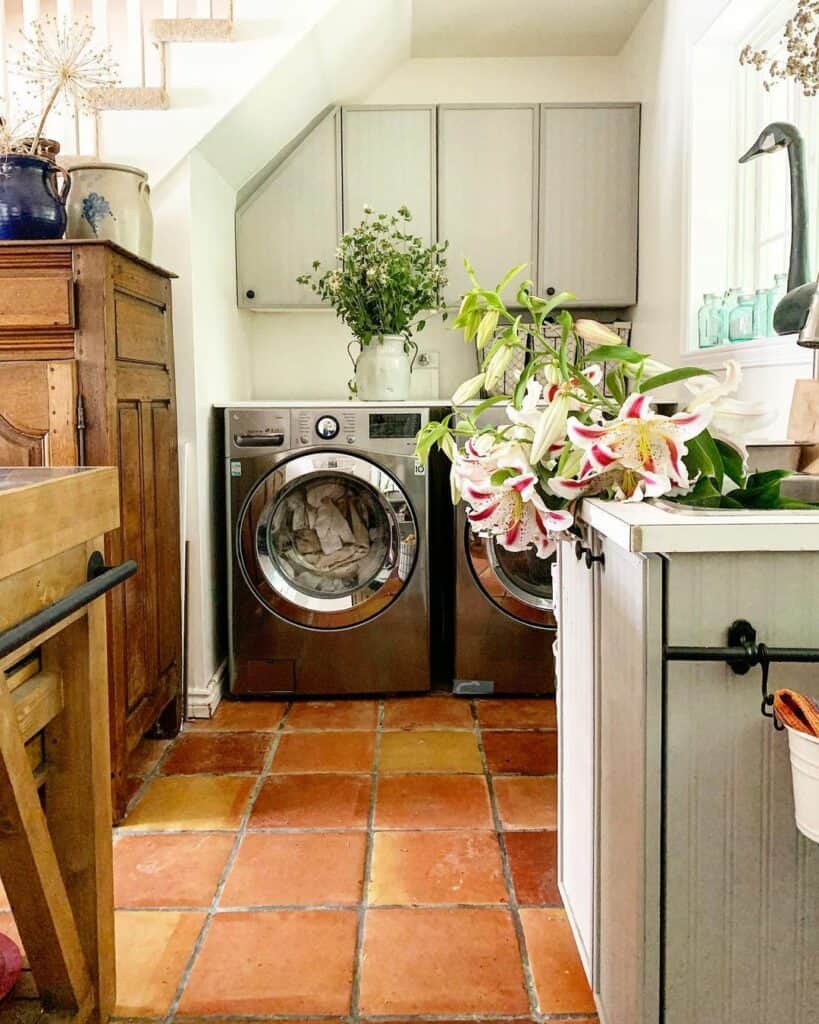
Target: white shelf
(776,351)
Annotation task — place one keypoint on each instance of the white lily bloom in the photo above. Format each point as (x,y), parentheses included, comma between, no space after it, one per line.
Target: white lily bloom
(525,420)
(469,389)
(732,420)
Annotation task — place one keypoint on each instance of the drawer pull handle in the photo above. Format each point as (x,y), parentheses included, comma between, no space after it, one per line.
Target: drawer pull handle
(581,551)
(260,440)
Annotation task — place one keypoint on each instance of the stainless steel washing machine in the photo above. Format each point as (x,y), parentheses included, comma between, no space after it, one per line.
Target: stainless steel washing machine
(327,550)
(504,621)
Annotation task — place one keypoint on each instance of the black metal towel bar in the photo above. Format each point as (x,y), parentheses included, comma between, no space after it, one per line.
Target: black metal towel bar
(101,579)
(742,654)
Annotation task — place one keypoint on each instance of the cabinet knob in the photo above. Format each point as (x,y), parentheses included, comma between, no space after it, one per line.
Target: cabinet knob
(581,551)
(250,294)
(550,290)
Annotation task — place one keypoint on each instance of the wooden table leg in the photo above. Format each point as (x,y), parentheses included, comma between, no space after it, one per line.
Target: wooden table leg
(78,792)
(31,875)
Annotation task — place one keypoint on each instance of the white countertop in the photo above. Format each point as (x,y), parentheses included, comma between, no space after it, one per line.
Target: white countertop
(643,527)
(334,403)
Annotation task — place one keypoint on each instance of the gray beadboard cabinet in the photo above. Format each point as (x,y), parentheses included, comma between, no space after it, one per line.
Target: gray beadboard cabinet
(692,896)
(388,160)
(556,186)
(589,183)
(487,191)
(293,218)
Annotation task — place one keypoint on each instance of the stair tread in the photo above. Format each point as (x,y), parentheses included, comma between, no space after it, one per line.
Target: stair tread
(191,30)
(126,97)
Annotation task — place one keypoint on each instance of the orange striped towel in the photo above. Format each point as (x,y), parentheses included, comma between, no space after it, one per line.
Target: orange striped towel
(797,711)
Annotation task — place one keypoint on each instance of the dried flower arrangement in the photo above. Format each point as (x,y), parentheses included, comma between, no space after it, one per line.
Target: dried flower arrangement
(797,57)
(58,61)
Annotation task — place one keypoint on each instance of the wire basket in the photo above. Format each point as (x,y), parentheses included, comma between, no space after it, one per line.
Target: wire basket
(552,332)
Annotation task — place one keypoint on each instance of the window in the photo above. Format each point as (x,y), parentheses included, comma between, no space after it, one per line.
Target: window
(762,214)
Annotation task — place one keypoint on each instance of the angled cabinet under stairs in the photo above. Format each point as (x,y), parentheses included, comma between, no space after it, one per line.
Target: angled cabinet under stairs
(87,377)
(554,186)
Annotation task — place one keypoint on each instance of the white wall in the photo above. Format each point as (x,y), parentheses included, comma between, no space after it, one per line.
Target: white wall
(194,209)
(301,355)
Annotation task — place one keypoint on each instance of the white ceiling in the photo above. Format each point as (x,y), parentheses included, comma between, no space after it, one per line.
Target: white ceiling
(523,28)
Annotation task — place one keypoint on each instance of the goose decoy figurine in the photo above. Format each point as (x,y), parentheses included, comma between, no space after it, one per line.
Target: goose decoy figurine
(791,314)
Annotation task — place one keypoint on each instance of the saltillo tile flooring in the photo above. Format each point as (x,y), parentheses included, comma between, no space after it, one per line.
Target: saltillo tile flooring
(344,861)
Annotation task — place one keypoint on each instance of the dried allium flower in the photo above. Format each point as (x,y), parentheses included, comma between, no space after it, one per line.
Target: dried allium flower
(15,132)
(59,61)
(798,54)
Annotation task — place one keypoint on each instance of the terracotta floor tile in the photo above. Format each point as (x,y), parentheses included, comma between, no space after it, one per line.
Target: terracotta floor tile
(556,968)
(441,961)
(146,755)
(533,861)
(334,714)
(527,802)
(306,868)
(436,867)
(522,713)
(169,870)
(153,949)
(275,962)
(218,753)
(444,712)
(325,752)
(432,751)
(521,753)
(313,801)
(242,716)
(191,802)
(433,801)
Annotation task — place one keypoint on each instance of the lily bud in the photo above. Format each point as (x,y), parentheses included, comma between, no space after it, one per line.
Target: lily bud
(596,333)
(469,389)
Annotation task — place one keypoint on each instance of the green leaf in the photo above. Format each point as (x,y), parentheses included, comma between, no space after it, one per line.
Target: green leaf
(660,380)
(614,382)
(706,454)
(486,404)
(499,478)
(613,353)
(529,371)
(556,300)
(732,462)
(471,271)
(565,321)
(525,292)
(507,277)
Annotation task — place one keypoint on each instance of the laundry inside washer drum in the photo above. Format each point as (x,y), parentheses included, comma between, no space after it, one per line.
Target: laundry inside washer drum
(329,535)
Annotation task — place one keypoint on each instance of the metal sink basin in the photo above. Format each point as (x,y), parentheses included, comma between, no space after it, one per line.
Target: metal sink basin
(799,487)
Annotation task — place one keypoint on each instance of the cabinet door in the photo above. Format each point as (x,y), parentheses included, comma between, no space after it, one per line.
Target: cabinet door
(629,701)
(290,221)
(576,749)
(487,191)
(38,403)
(589,167)
(389,161)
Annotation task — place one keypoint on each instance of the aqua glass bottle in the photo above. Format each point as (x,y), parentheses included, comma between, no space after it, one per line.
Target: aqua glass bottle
(741,321)
(776,295)
(709,320)
(762,307)
(729,303)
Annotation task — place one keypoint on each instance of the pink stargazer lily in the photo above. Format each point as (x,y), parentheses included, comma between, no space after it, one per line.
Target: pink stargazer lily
(563,397)
(639,454)
(511,510)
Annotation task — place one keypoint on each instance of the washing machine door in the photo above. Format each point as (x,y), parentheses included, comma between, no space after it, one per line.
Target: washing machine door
(327,540)
(517,582)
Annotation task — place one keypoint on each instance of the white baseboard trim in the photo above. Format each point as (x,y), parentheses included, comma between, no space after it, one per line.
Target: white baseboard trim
(203,701)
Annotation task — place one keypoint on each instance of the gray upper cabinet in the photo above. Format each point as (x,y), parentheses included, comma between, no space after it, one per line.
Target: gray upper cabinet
(487,191)
(589,167)
(293,218)
(389,161)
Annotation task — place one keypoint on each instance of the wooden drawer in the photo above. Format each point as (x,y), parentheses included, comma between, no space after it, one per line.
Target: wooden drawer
(36,302)
(141,329)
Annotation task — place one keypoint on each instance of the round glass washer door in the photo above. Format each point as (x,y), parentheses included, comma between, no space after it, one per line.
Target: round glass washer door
(519,583)
(327,540)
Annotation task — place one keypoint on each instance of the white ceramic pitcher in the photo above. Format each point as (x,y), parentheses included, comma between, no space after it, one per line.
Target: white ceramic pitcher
(383,368)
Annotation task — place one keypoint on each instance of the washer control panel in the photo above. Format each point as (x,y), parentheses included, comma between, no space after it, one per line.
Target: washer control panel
(327,427)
